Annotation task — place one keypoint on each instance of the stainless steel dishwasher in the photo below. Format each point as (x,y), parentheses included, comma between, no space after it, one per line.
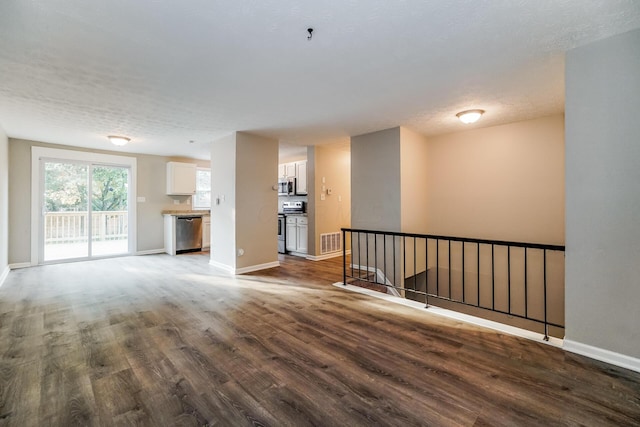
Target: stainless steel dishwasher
(188,233)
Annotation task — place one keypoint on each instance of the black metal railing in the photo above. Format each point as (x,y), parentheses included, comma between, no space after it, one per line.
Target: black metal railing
(513,279)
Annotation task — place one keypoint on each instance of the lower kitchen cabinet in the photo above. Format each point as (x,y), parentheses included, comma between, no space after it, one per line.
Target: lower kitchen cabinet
(297,235)
(302,229)
(206,232)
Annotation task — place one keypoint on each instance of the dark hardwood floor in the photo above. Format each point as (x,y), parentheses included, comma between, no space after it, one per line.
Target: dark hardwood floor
(159,340)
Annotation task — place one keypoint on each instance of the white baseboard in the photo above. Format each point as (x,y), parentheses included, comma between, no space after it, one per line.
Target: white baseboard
(478,321)
(326,256)
(18,265)
(243,270)
(4,274)
(222,266)
(257,267)
(602,355)
(151,252)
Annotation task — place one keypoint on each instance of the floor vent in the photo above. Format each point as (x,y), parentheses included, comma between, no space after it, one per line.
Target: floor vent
(330,242)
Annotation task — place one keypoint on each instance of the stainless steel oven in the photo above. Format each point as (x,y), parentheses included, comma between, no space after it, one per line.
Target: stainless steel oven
(282,229)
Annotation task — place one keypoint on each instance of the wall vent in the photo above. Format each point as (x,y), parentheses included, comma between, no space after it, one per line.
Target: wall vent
(330,242)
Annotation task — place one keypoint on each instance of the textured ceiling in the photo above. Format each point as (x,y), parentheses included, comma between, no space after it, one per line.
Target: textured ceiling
(166,72)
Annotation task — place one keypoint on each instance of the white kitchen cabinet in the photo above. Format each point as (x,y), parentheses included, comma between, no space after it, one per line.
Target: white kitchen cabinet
(301,177)
(282,170)
(290,170)
(302,228)
(181,178)
(292,234)
(206,231)
(170,234)
(297,239)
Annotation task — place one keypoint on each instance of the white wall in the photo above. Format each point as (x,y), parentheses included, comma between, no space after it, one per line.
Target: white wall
(223,203)
(501,183)
(4,205)
(603,195)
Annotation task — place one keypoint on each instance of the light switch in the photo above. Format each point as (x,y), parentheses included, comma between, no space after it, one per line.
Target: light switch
(322,196)
(141,199)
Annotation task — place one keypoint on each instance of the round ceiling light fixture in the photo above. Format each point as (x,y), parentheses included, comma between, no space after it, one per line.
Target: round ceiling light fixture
(470,116)
(119,140)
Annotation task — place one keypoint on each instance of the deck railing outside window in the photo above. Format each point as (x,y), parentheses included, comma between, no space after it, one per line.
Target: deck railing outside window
(510,282)
(72,227)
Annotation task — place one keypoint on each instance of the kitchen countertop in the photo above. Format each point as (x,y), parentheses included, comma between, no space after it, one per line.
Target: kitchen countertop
(187,213)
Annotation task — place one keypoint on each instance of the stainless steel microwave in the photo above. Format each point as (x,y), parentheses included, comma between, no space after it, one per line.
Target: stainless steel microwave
(286,186)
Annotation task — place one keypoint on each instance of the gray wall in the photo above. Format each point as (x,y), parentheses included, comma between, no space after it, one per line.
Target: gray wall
(151,184)
(375,180)
(256,200)
(4,202)
(603,194)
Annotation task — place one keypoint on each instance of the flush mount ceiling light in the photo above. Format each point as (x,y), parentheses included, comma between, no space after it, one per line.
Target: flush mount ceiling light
(119,140)
(469,116)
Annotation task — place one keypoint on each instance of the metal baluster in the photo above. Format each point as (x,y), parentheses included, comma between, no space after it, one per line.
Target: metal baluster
(375,255)
(525,285)
(478,267)
(509,279)
(546,325)
(344,258)
(437,267)
(463,293)
(426,272)
(493,281)
(449,261)
(415,269)
(404,263)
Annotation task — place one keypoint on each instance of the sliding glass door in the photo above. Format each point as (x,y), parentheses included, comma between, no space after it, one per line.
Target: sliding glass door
(109,213)
(85,210)
(65,211)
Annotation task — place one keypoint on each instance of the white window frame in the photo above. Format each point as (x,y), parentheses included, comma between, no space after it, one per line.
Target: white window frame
(194,198)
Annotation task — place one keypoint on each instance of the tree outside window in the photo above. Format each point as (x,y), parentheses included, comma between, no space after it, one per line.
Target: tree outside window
(202,198)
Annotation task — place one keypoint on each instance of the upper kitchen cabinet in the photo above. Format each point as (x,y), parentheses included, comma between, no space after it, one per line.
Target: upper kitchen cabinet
(290,170)
(181,178)
(297,170)
(301,177)
(287,170)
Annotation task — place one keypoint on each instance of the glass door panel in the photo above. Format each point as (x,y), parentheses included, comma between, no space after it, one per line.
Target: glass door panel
(65,211)
(109,210)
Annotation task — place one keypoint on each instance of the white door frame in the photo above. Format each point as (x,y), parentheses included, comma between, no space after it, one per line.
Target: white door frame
(38,153)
